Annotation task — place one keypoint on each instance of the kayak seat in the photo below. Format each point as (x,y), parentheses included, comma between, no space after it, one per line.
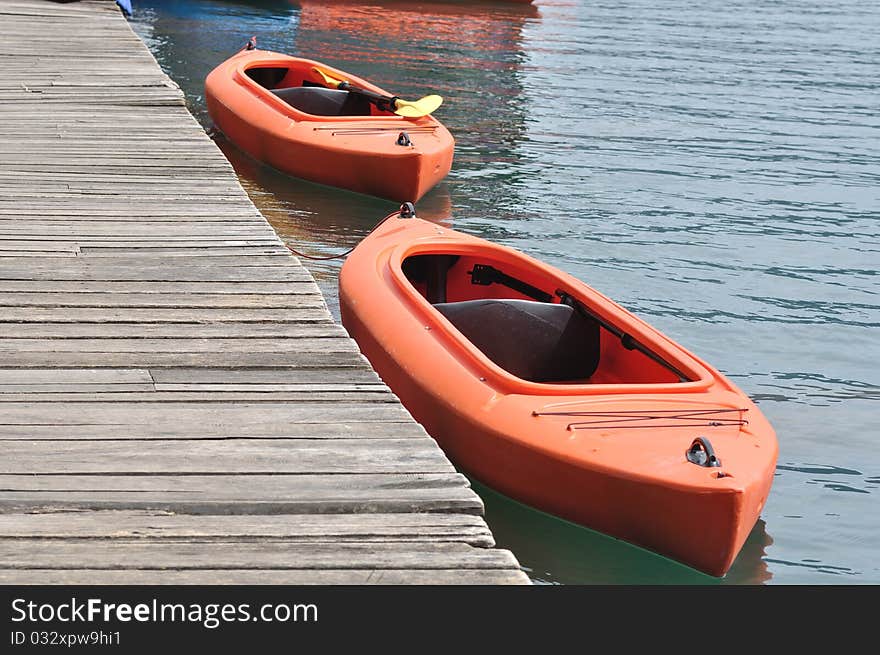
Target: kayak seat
(320,101)
(535,341)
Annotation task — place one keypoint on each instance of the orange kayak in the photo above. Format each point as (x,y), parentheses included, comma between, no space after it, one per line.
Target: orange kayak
(281,112)
(554,395)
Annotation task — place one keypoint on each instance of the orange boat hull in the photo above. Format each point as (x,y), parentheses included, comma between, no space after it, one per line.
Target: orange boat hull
(358,153)
(552,445)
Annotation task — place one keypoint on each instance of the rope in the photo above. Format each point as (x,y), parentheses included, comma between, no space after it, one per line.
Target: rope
(347,252)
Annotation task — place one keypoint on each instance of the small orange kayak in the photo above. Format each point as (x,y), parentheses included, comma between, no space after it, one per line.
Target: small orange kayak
(554,395)
(281,111)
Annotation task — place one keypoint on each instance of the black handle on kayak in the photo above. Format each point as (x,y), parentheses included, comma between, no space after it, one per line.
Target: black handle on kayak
(701,453)
(484,275)
(407,210)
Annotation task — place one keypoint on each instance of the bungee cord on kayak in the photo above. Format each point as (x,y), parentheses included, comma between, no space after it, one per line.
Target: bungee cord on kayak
(685,418)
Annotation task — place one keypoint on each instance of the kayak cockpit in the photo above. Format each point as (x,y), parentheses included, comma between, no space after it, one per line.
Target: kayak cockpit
(298,86)
(562,344)
(319,101)
(524,324)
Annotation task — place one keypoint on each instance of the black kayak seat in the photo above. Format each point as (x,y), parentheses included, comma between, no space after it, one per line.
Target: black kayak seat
(535,341)
(320,101)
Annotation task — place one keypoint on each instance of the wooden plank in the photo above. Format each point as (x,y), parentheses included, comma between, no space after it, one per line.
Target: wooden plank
(195,415)
(99,300)
(262,376)
(14,376)
(199,555)
(373,429)
(12,247)
(53,392)
(144,232)
(170,330)
(86,252)
(19,254)
(150,525)
(71,241)
(281,360)
(70,213)
(242,494)
(324,387)
(246,457)
(163,315)
(246,270)
(191,377)
(331,344)
(149,395)
(454,576)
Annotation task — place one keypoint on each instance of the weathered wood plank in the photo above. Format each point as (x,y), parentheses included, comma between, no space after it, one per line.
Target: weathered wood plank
(242,494)
(244,269)
(75,239)
(330,344)
(83,227)
(281,360)
(53,376)
(454,576)
(200,555)
(170,330)
(172,359)
(373,429)
(147,525)
(47,392)
(225,456)
(86,252)
(323,387)
(82,231)
(158,315)
(258,376)
(11,247)
(99,300)
(189,415)
(152,396)
(43,254)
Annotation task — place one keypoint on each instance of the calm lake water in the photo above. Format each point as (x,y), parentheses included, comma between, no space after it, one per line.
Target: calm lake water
(713,167)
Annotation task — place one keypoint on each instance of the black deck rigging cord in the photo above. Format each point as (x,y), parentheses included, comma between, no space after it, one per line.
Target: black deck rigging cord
(679,418)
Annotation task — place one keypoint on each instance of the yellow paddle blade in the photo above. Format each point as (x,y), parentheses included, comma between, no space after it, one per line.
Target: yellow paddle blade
(417,108)
(328,79)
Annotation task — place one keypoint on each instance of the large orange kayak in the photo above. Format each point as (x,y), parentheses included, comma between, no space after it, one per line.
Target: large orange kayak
(556,396)
(280,111)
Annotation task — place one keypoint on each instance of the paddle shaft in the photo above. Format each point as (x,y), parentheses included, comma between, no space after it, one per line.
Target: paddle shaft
(385,103)
(406,108)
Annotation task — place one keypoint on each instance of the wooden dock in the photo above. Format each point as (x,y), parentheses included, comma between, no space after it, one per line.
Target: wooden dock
(177,404)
